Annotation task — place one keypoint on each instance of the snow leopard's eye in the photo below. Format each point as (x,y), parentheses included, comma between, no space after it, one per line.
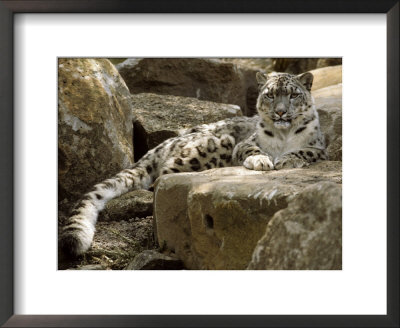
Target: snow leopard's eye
(269,95)
(294,95)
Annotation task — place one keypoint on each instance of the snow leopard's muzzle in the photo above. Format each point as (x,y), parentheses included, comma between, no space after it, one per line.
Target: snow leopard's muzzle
(279,110)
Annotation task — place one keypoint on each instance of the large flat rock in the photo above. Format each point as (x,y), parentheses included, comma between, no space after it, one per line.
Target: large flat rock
(214,219)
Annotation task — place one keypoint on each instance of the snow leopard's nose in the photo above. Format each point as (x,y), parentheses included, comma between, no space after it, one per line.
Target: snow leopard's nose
(280,109)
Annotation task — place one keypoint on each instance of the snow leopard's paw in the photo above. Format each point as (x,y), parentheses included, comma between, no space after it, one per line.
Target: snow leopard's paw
(258,163)
(289,162)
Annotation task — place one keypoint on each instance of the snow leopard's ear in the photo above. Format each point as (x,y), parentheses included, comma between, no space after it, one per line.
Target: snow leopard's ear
(306,79)
(261,78)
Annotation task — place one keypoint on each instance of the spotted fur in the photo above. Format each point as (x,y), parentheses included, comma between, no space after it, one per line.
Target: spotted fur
(285,134)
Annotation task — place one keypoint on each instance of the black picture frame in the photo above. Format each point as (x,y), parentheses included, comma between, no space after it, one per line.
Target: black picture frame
(7,11)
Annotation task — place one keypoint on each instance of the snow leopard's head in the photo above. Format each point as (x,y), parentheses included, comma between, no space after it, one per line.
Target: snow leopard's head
(282,97)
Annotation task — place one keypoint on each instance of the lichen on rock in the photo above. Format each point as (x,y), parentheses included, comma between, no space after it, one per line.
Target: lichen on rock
(94,125)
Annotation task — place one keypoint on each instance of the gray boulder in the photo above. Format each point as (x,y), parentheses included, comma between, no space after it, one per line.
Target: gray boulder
(330,117)
(205,79)
(307,235)
(133,204)
(94,125)
(214,219)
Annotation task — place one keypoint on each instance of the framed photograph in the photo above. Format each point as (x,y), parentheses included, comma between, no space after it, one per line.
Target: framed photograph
(265,134)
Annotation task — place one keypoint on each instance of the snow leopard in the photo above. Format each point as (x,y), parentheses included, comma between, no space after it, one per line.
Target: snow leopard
(285,134)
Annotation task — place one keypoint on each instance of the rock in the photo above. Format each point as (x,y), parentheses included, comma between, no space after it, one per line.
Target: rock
(158,117)
(115,244)
(324,62)
(134,204)
(307,235)
(248,76)
(255,64)
(325,77)
(214,219)
(294,65)
(116,60)
(301,65)
(331,91)
(204,79)
(94,125)
(330,117)
(328,102)
(90,267)
(153,260)
(248,67)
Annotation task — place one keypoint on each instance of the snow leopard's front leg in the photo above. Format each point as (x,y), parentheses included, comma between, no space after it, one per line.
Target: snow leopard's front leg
(248,154)
(300,158)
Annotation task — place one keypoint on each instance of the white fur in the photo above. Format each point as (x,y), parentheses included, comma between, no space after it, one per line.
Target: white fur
(286,140)
(258,163)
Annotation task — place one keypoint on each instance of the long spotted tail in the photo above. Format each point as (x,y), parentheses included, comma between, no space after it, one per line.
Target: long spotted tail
(77,234)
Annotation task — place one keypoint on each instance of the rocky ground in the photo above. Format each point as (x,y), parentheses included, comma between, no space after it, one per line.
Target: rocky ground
(115,245)
(229,218)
